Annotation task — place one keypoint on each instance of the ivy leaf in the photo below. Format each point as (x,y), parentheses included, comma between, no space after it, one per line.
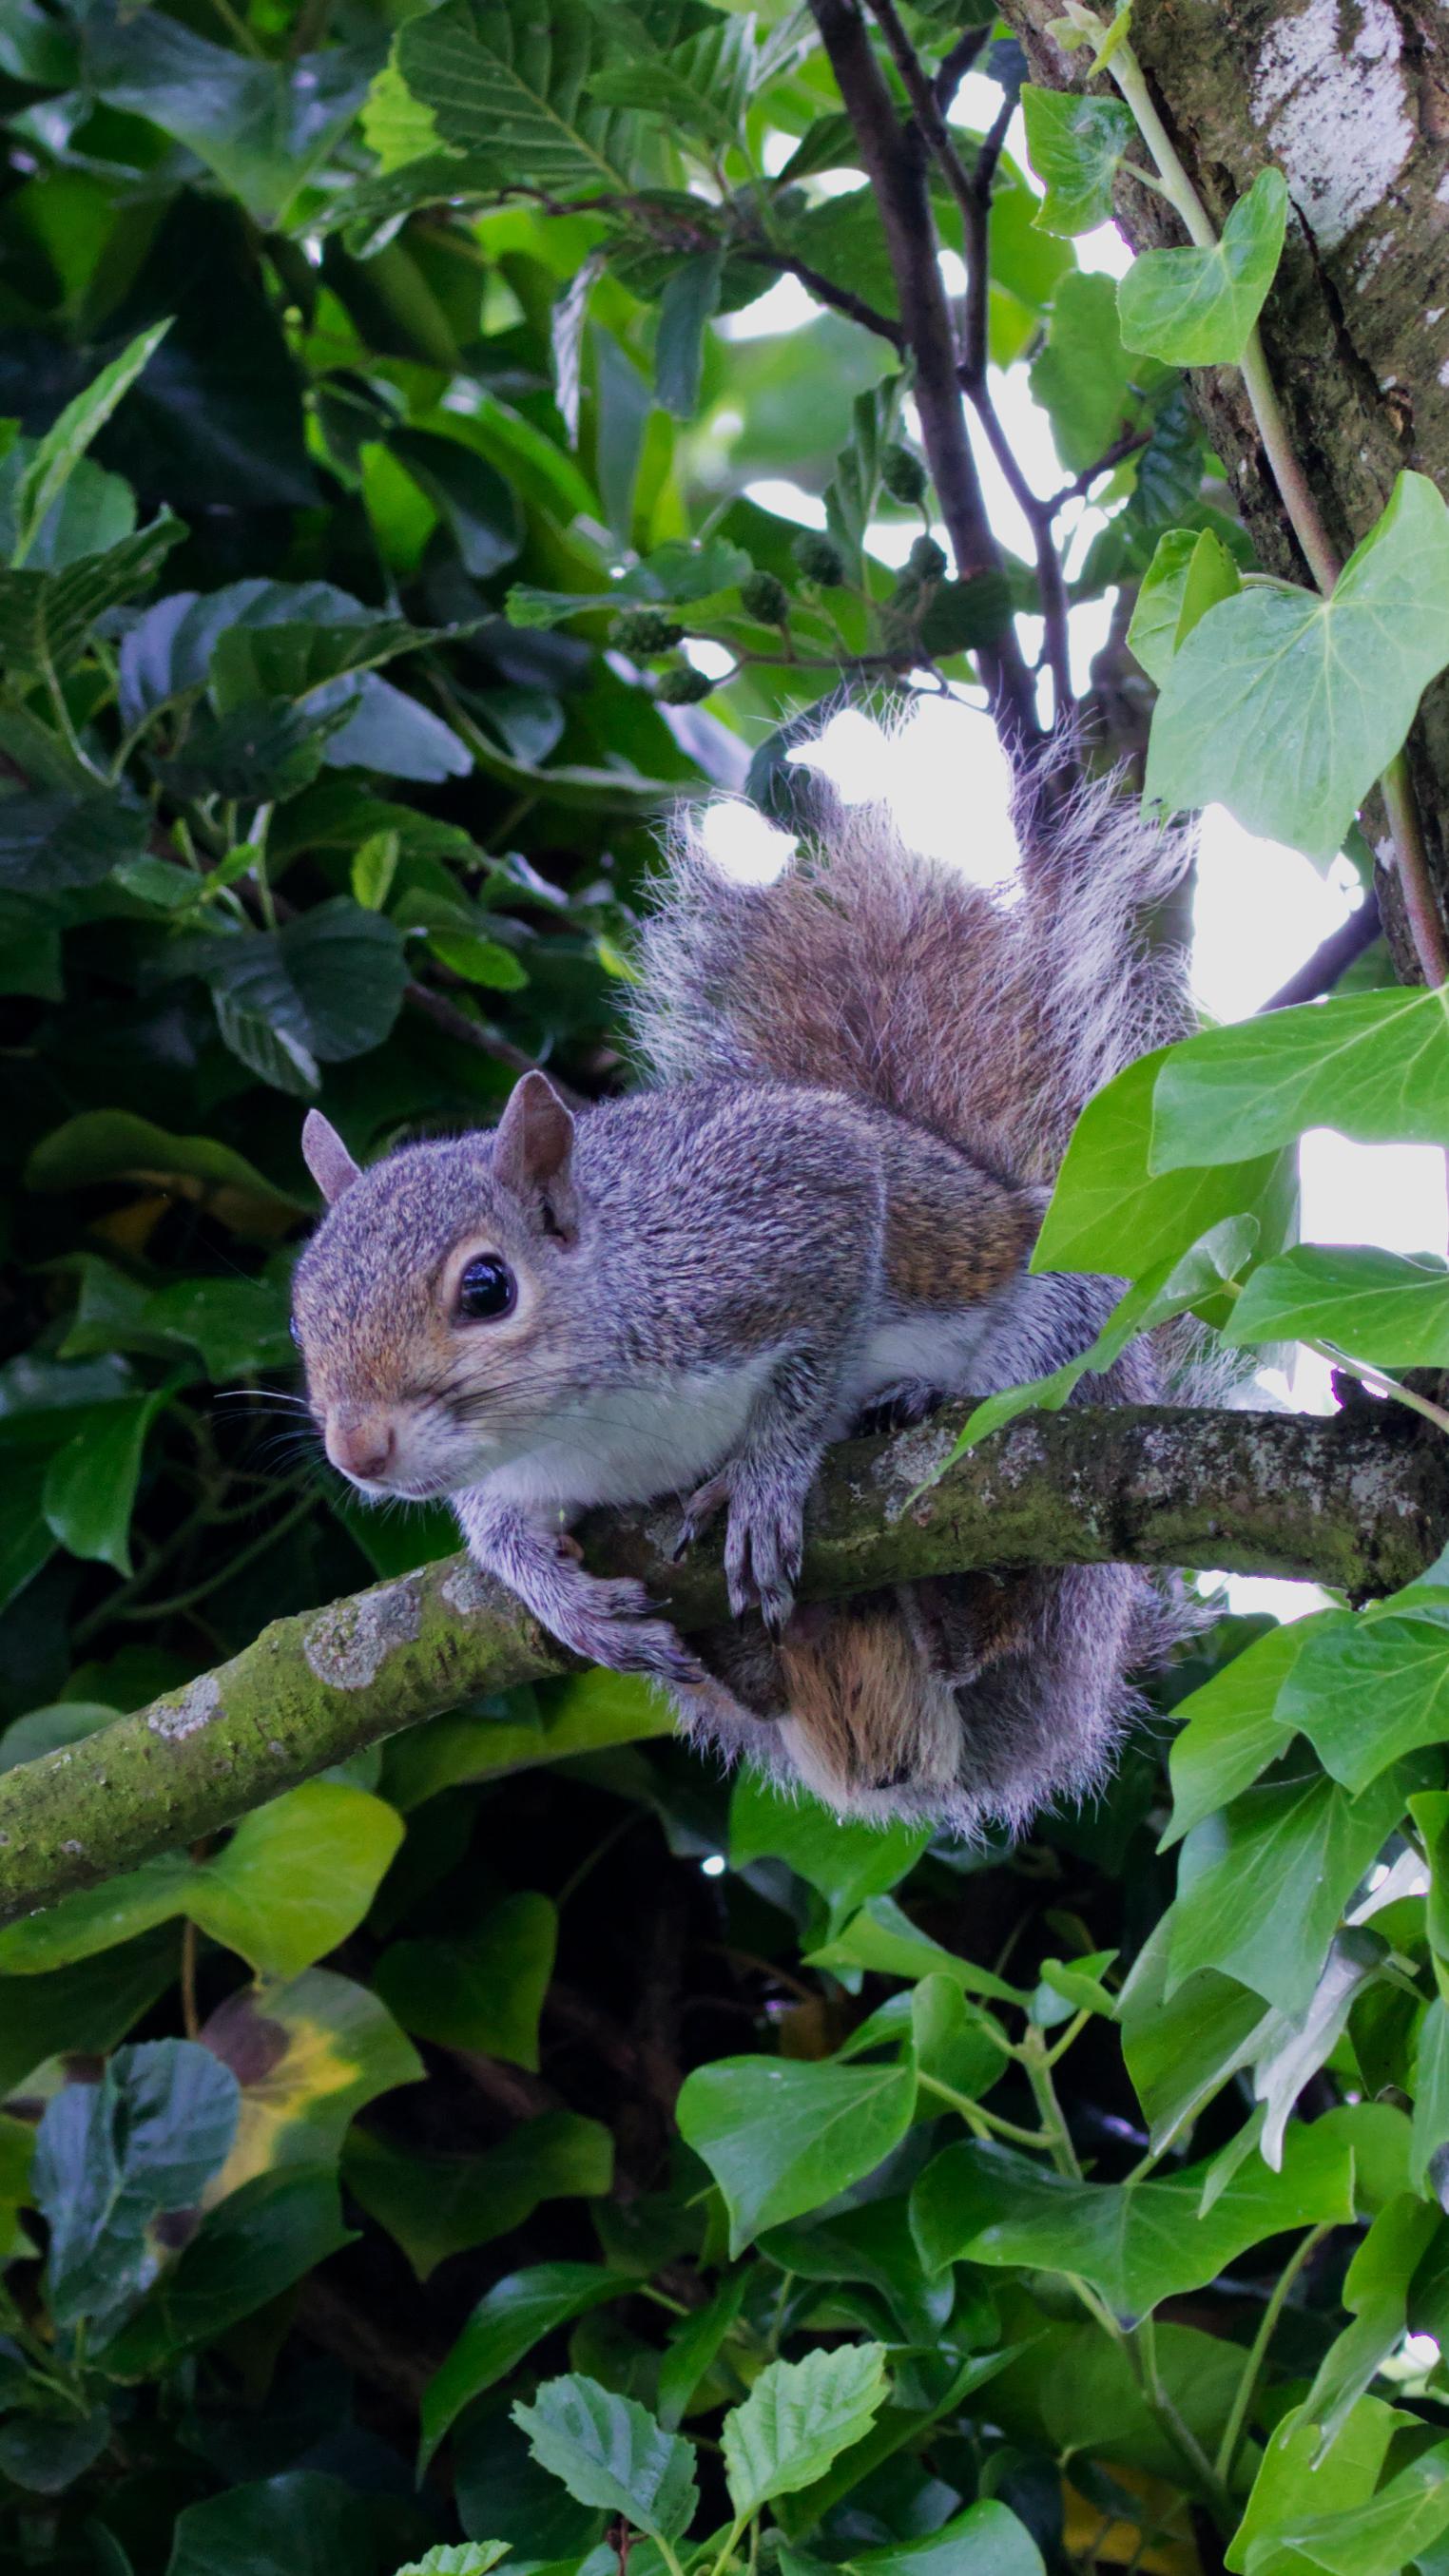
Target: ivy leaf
(1197,308)
(798,2417)
(1374,1065)
(1231,1729)
(1365,1693)
(848,1861)
(1074,144)
(90,1483)
(610,2452)
(1136,2243)
(1114,1210)
(1083,378)
(58,453)
(436,2206)
(250,2249)
(1189,573)
(484,1992)
(111,2157)
(1180,2050)
(1262,1886)
(1285,706)
(515,2315)
(1381,1306)
(782,2138)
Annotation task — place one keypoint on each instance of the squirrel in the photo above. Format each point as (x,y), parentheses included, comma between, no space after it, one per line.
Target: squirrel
(819,1209)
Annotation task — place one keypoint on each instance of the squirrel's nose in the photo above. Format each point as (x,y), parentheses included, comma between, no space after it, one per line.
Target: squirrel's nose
(362,1448)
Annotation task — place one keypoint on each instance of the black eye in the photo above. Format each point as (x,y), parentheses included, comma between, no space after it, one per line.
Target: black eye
(486,1291)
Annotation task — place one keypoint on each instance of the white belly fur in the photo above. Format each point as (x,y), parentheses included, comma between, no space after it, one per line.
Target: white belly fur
(627,1444)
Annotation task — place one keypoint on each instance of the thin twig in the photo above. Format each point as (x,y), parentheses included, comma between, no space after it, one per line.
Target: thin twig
(839,298)
(894,162)
(1320,972)
(954,66)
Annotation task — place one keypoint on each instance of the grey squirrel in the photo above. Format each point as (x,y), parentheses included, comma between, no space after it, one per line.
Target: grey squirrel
(859,1081)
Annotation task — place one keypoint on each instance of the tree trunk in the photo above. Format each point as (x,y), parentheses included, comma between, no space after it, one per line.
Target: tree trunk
(1351,99)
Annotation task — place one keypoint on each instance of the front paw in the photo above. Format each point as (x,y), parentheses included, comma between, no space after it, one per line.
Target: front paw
(614,1624)
(764,1542)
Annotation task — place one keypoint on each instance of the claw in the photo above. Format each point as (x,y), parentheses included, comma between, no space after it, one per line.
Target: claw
(688,1533)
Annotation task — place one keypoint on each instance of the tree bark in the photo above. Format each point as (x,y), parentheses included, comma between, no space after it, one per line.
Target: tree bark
(1360,1502)
(1351,99)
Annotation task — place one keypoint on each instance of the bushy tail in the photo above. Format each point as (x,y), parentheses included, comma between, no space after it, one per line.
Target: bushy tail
(987,1015)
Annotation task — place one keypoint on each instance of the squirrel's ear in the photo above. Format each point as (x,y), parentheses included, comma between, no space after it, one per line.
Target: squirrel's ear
(326,1157)
(533,1147)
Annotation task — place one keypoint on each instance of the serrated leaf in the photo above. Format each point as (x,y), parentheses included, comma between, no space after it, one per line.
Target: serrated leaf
(46,617)
(610,2452)
(513,90)
(1285,706)
(702,85)
(59,452)
(50,840)
(798,2417)
(1074,144)
(687,304)
(1197,308)
(457,2558)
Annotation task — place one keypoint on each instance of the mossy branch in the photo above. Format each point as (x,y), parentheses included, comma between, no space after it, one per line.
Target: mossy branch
(1360,1502)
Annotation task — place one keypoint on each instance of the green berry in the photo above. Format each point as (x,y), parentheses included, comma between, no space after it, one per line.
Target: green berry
(903,475)
(684,687)
(926,560)
(762,596)
(645,630)
(819,558)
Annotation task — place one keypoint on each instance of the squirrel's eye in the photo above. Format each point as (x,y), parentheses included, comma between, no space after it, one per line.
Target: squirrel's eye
(486,1291)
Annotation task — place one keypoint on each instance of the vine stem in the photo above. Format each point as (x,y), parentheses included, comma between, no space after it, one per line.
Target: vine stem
(1258,2352)
(1410,857)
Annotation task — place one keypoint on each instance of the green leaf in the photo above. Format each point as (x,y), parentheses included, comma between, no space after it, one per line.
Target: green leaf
(250,2249)
(1376,2292)
(1074,144)
(701,86)
(1112,1210)
(1381,1306)
(1172,1288)
(873,2244)
(1189,573)
(295,1878)
(264,2530)
(1197,308)
(1285,706)
(1136,2243)
(50,840)
(436,2206)
(46,618)
(59,452)
(1366,1693)
(477,506)
(798,2417)
(848,1862)
(268,751)
(45,2454)
(515,2315)
(1262,1886)
(1181,2050)
(1392,2529)
(330,983)
(852,495)
(1083,378)
(90,1484)
(1231,1729)
(1374,1065)
(962,614)
(515,91)
(689,300)
(460,2558)
(115,1145)
(610,2452)
(782,2138)
(112,2157)
(479,961)
(985,2540)
(1297,2480)
(484,1992)
(696,2345)
(262,127)
(81,2011)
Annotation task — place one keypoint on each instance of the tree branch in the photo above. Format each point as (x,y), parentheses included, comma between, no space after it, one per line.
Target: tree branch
(1332,958)
(894,159)
(1361,1502)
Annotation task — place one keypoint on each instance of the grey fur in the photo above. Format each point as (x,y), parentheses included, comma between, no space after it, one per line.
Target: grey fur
(860,1078)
